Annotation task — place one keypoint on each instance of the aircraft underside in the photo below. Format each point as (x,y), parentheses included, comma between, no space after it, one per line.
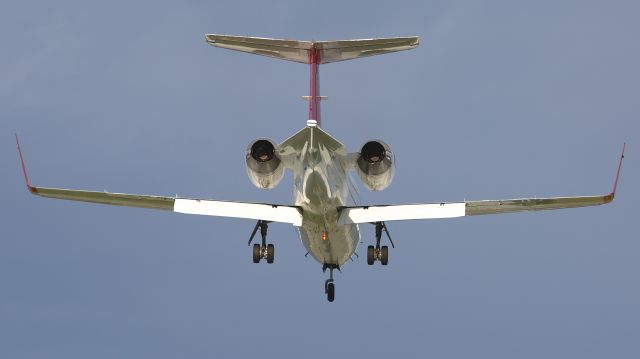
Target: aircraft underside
(328,226)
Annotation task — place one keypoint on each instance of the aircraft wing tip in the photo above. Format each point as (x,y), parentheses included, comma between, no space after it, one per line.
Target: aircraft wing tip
(30,187)
(610,197)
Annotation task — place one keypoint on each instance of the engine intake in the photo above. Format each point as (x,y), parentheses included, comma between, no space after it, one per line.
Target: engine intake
(263,150)
(264,167)
(376,166)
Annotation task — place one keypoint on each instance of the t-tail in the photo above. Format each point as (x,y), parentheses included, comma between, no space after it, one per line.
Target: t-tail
(313,53)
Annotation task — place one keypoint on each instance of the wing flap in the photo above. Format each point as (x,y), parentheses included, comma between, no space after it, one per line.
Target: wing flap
(369,214)
(258,211)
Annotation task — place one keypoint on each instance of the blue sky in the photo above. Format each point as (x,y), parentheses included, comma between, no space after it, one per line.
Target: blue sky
(502,99)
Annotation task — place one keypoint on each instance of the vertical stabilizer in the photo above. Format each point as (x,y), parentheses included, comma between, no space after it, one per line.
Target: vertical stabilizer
(314,90)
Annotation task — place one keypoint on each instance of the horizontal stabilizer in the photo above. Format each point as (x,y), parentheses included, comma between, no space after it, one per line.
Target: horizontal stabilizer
(299,51)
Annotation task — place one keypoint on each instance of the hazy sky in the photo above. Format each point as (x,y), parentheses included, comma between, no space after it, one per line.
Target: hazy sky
(502,99)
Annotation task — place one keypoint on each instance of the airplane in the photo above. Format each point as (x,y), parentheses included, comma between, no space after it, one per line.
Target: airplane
(327,223)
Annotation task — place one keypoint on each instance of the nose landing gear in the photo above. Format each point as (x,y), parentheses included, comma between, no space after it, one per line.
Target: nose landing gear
(329,286)
(266,251)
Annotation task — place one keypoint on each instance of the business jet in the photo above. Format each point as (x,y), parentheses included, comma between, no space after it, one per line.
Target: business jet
(326,220)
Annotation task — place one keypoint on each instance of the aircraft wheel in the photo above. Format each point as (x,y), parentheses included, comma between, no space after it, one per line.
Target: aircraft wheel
(257,253)
(370,255)
(384,255)
(270,253)
(331,292)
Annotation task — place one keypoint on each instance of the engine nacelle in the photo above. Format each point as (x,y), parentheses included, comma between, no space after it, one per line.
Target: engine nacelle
(376,165)
(264,167)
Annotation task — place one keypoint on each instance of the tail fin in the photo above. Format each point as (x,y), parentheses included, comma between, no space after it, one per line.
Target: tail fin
(299,51)
(313,53)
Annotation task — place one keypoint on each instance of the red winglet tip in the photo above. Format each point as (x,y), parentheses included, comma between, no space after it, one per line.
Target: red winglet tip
(608,198)
(615,183)
(24,169)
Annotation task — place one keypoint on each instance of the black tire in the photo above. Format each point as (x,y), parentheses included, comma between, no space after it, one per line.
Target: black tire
(270,253)
(370,255)
(384,255)
(257,253)
(331,292)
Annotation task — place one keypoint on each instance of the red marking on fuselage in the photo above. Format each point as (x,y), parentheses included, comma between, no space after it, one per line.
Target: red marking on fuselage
(324,235)
(314,91)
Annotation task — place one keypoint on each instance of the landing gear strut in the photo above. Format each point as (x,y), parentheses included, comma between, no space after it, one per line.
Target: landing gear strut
(329,286)
(379,253)
(265,250)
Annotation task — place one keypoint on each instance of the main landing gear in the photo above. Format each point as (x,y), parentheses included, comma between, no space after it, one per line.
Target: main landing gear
(265,250)
(379,253)
(329,287)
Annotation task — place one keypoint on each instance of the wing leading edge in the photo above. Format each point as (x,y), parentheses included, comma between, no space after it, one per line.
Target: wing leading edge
(367,214)
(257,211)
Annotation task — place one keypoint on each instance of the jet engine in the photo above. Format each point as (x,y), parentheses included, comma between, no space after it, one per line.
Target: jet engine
(264,167)
(375,165)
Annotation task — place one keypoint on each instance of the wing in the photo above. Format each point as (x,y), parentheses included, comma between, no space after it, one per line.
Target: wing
(257,211)
(369,214)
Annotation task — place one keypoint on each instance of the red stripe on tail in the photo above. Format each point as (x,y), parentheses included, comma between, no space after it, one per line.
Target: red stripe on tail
(314,91)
